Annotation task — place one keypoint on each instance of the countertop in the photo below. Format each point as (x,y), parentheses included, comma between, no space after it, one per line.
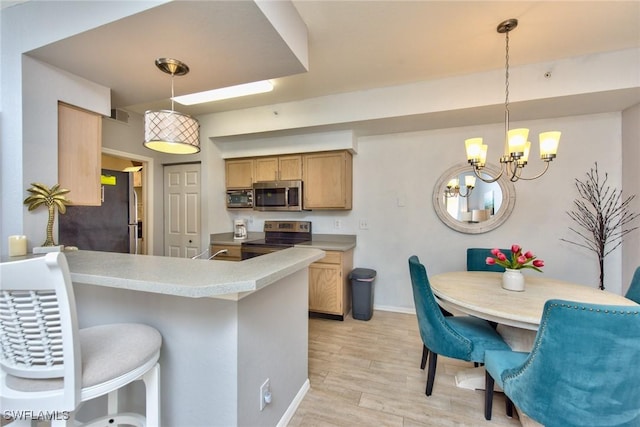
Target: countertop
(325,242)
(193,278)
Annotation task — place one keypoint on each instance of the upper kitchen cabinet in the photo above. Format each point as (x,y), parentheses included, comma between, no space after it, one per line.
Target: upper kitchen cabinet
(282,168)
(239,173)
(79,151)
(328,180)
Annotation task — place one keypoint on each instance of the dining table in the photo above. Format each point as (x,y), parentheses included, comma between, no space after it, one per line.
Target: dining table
(516,313)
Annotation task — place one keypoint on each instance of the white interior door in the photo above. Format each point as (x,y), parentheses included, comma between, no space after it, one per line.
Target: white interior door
(182,210)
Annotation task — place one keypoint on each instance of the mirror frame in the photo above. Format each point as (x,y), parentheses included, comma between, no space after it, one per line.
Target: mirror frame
(508,200)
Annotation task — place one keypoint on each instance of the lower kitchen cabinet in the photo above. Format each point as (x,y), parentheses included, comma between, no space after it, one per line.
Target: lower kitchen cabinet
(232,254)
(329,286)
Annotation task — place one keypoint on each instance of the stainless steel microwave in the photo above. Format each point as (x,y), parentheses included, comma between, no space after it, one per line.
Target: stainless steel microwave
(277,196)
(242,198)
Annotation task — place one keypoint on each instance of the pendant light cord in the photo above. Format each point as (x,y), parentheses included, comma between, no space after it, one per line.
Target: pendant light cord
(172,95)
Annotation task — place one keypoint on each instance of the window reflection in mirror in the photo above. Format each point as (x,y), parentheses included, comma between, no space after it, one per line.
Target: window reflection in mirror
(475,203)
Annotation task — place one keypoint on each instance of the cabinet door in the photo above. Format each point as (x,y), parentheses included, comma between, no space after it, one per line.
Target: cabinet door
(327,180)
(79,154)
(233,252)
(284,168)
(325,288)
(290,168)
(266,169)
(239,173)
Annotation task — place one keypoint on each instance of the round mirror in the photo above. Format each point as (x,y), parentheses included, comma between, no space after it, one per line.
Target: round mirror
(468,204)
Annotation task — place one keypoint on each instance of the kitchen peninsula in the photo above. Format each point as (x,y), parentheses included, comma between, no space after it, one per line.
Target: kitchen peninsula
(227,327)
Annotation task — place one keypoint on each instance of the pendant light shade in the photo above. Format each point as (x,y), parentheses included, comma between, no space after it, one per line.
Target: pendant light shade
(169,131)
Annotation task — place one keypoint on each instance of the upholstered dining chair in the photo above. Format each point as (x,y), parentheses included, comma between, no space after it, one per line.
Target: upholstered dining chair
(583,370)
(50,367)
(477,259)
(459,337)
(633,293)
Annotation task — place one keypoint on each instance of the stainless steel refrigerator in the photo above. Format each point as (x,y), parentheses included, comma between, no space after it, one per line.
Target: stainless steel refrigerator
(111,227)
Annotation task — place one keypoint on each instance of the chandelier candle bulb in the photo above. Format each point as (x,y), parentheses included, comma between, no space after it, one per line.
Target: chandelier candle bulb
(474,148)
(470,181)
(525,157)
(483,155)
(549,142)
(517,141)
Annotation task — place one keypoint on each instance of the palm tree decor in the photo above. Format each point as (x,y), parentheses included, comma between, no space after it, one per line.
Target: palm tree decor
(53,198)
(602,216)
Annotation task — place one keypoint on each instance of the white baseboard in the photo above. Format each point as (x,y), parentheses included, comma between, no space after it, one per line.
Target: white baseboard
(405,310)
(293,407)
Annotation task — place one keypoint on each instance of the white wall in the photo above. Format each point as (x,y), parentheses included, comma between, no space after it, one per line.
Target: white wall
(631,186)
(25,27)
(44,86)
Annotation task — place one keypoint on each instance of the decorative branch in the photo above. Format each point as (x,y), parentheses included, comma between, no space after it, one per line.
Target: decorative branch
(603,218)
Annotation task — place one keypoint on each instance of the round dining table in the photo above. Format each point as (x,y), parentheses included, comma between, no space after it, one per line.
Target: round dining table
(518,314)
(480,294)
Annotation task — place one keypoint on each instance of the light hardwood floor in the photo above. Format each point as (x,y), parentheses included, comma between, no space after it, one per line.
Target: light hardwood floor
(367,373)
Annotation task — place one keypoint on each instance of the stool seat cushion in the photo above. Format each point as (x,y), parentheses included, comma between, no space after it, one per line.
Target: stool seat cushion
(108,352)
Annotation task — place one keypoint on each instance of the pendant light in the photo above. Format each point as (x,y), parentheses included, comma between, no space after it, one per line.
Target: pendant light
(517,145)
(169,131)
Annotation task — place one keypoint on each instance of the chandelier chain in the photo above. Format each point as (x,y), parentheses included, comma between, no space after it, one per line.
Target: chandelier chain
(506,85)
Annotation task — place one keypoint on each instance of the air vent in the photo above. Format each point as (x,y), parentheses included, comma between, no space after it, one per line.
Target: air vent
(120,115)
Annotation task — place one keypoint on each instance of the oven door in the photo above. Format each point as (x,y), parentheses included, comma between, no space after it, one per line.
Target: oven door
(252,251)
(278,196)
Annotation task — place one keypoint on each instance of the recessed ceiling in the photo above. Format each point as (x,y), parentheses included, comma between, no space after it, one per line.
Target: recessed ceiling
(353,45)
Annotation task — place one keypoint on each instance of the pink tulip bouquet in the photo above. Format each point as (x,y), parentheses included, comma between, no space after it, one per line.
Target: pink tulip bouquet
(517,261)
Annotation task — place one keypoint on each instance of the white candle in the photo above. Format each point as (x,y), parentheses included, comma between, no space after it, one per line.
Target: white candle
(17,245)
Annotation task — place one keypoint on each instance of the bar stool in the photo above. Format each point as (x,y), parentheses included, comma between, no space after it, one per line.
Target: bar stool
(50,367)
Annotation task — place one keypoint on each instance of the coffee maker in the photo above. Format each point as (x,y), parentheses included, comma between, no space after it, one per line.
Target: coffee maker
(239,229)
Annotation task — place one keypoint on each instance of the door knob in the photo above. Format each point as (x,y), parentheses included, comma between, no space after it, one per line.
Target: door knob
(190,241)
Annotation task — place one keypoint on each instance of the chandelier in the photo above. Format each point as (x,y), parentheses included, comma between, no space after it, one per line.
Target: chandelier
(517,145)
(169,131)
(453,187)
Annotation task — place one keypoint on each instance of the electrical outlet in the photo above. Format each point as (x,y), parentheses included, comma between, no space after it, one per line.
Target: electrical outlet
(364,224)
(337,224)
(265,394)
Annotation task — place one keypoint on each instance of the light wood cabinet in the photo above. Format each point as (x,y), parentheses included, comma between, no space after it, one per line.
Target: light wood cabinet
(137,179)
(239,173)
(284,168)
(329,286)
(233,252)
(79,154)
(328,180)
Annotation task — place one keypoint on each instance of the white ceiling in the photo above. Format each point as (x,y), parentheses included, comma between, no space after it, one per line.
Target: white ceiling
(353,45)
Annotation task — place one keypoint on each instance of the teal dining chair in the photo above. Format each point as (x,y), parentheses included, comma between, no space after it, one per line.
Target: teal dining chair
(459,337)
(633,293)
(477,259)
(583,370)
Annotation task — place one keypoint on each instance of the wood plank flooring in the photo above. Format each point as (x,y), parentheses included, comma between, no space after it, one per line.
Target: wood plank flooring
(367,373)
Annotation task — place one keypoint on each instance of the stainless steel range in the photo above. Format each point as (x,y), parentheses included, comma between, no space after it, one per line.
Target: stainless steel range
(278,235)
